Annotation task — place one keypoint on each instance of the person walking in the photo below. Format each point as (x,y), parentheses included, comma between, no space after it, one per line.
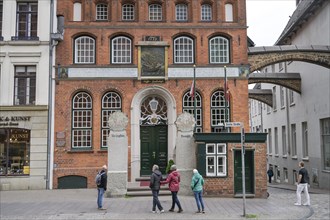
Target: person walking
(197,183)
(173,181)
(155,179)
(302,184)
(101,186)
(270,174)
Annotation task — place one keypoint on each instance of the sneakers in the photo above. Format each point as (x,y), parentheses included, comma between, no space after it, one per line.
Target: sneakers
(180,210)
(154,212)
(162,211)
(203,211)
(198,212)
(297,203)
(307,204)
(171,210)
(102,208)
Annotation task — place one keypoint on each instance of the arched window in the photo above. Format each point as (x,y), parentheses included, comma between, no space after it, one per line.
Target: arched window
(84,50)
(219,50)
(77,11)
(82,112)
(128,12)
(181,12)
(183,50)
(206,12)
(188,105)
(101,12)
(155,12)
(111,102)
(219,111)
(229,13)
(121,50)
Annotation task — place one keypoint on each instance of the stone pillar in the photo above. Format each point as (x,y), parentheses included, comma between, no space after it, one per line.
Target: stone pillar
(185,151)
(117,155)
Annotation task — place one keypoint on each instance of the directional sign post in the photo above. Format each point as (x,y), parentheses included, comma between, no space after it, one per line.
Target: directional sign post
(241,125)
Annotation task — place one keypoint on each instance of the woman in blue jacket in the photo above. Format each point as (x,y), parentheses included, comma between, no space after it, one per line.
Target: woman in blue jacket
(197,183)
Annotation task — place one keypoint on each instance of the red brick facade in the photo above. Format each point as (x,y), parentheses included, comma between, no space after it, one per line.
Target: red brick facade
(85,163)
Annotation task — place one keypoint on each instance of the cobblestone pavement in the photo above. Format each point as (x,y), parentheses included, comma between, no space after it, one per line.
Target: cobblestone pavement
(81,204)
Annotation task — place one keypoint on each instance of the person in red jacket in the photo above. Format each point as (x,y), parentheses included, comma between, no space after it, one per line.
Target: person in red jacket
(173,181)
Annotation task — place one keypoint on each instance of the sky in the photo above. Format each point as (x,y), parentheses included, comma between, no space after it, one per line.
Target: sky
(266,19)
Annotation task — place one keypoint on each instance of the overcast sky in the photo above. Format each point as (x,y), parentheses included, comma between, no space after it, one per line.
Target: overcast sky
(266,19)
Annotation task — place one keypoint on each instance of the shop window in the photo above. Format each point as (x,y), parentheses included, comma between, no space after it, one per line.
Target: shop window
(325,142)
(189,106)
(14,152)
(111,102)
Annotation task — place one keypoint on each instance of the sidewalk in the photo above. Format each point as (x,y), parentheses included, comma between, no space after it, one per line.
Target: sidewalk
(81,204)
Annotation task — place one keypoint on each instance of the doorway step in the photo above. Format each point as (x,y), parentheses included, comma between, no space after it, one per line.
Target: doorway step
(141,188)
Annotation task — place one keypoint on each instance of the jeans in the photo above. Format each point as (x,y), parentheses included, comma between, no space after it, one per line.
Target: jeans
(199,199)
(300,188)
(100,192)
(175,200)
(155,201)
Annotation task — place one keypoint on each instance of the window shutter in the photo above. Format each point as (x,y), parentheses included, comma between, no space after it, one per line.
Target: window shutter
(201,159)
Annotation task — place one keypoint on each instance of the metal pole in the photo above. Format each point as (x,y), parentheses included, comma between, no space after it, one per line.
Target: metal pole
(243,167)
(195,115)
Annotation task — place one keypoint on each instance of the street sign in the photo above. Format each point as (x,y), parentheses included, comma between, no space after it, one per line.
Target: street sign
(233,124)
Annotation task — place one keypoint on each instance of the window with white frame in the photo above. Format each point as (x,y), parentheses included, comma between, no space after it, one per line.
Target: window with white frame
(206,12)
(155,12)
(276,140)
(26,21)
(274,99)
(188,106)
(101,12)
(183,50)
(216,159)
(219,113)
(181,12)
(77,11)
(229,13)
(325,142)
(284,145)
(128,12)
(270,141)
(294,140)
(25,85)
(282,97)
(111,102)
(121,50)
(291,97)
(219,50)
(84,48)
(304,139)
(82,121)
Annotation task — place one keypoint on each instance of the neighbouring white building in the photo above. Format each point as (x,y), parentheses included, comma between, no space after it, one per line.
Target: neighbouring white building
(25,60)
(298,125)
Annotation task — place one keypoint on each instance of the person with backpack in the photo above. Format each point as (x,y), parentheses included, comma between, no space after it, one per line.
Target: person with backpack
(302,184)
(197,183)
(173,181)
(154,185)
(101,180)
(270,174)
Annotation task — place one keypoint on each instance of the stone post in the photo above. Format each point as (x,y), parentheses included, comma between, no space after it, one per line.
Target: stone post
(117,155)
(185,151)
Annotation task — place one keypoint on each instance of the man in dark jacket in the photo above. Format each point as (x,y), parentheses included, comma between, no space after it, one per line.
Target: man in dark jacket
(102,187)
(155,179)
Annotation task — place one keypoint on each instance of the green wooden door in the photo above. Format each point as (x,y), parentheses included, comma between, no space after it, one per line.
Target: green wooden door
(249,172)
(153,148)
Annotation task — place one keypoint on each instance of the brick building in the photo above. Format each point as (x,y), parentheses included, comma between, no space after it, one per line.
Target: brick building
(128,55)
